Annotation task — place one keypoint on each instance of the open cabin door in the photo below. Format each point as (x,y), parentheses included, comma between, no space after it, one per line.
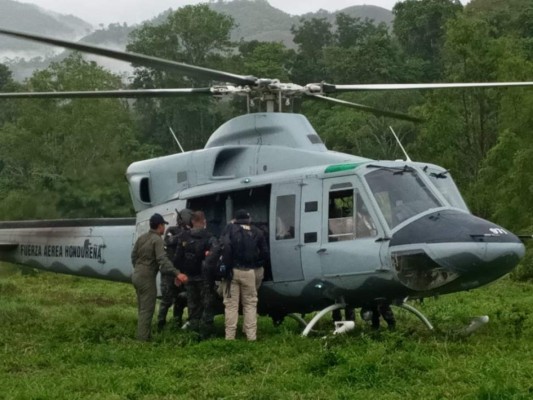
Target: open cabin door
(284,230)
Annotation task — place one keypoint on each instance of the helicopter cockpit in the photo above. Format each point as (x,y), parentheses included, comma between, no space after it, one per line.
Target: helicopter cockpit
(442,179)
(400,192)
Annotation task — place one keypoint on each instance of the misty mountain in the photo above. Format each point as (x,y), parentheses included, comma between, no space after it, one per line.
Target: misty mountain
(31,18)
(254,19)
(258,20)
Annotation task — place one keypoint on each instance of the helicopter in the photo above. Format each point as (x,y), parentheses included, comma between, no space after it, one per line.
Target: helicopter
(343,230)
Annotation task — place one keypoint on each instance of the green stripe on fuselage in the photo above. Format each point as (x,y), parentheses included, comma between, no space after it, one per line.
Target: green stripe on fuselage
(341,167)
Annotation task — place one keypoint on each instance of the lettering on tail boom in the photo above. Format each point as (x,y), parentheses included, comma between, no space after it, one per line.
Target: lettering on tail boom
(92,251)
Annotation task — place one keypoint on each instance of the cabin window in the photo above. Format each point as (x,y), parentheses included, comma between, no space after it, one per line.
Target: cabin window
(311,206)
(348,217)
(285,217)
(144,190)
(340,215)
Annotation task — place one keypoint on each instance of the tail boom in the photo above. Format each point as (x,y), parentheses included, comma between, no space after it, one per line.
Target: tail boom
(97,248)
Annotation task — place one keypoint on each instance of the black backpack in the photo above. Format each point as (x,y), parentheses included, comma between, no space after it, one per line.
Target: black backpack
(214,269)
(245,251)
(193,250)
(171,240)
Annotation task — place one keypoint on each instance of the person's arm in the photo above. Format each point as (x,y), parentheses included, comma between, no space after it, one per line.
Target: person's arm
(264,253)
(134,253)
(227,252)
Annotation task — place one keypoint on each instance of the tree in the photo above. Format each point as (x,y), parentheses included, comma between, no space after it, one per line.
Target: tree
(192,34)
(362,53)
(8,109)
(482,134)
(420,27)
(505,17)
(311,36)
(265,59)
(6,76)
(66,158)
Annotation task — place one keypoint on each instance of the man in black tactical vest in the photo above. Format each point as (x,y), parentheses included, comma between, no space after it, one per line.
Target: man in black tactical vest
(245,251)
(191,251)
(172,295)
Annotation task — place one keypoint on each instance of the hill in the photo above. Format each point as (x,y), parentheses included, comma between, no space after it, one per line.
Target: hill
(255,20)
(28,17)
(258,20)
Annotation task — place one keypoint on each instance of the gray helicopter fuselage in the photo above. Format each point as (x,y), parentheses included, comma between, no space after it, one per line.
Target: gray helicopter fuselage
(341,228)
(276,166)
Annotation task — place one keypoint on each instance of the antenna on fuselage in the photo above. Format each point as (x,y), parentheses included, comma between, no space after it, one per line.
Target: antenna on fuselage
(176,138)
(407,158)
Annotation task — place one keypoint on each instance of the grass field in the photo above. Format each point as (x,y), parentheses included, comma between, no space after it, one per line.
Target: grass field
(64,337)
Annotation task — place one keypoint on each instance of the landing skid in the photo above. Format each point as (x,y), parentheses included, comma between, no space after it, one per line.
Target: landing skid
(309,326)
(319,316)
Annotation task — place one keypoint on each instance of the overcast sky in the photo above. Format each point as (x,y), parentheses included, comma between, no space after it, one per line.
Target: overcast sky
(133,11)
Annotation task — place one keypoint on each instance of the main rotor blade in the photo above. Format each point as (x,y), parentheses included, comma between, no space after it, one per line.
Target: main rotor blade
(106,93)
(328,88)
(141,59)
(372,110)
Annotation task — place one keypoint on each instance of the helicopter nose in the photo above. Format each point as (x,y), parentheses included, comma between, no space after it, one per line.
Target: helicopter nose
(455,249)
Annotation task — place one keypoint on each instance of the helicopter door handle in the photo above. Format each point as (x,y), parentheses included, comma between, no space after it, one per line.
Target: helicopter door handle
(321,251)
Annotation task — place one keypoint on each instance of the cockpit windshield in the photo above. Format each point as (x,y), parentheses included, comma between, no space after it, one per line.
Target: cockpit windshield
(400,193)
(444,182)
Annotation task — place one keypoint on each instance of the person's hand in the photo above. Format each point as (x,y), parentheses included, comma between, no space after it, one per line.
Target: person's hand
(180,279)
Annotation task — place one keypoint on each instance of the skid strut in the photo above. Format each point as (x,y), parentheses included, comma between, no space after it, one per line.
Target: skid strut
(298,319)
(421,316)
(319,316)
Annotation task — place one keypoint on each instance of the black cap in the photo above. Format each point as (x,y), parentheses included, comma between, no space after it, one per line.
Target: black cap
(242,214)
(157,219)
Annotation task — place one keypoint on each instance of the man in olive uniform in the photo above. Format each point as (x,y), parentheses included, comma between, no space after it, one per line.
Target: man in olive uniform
(245,251)
(148,257)
(172,295)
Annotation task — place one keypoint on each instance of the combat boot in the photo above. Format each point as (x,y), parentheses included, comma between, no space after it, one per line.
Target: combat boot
(161,325)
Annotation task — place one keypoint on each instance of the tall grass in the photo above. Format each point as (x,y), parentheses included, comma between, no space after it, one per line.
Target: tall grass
(64,337)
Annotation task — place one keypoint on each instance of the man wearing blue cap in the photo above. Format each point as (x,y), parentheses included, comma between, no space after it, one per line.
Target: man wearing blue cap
(148,257)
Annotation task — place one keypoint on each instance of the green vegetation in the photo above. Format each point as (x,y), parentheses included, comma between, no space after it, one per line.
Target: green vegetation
(63,337)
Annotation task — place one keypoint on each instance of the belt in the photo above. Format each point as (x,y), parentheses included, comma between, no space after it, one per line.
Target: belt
(243,268)
(240,267)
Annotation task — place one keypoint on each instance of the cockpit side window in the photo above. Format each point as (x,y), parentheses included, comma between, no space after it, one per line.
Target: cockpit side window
(400,194)
(348,216)
(364,224)
(445,184)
